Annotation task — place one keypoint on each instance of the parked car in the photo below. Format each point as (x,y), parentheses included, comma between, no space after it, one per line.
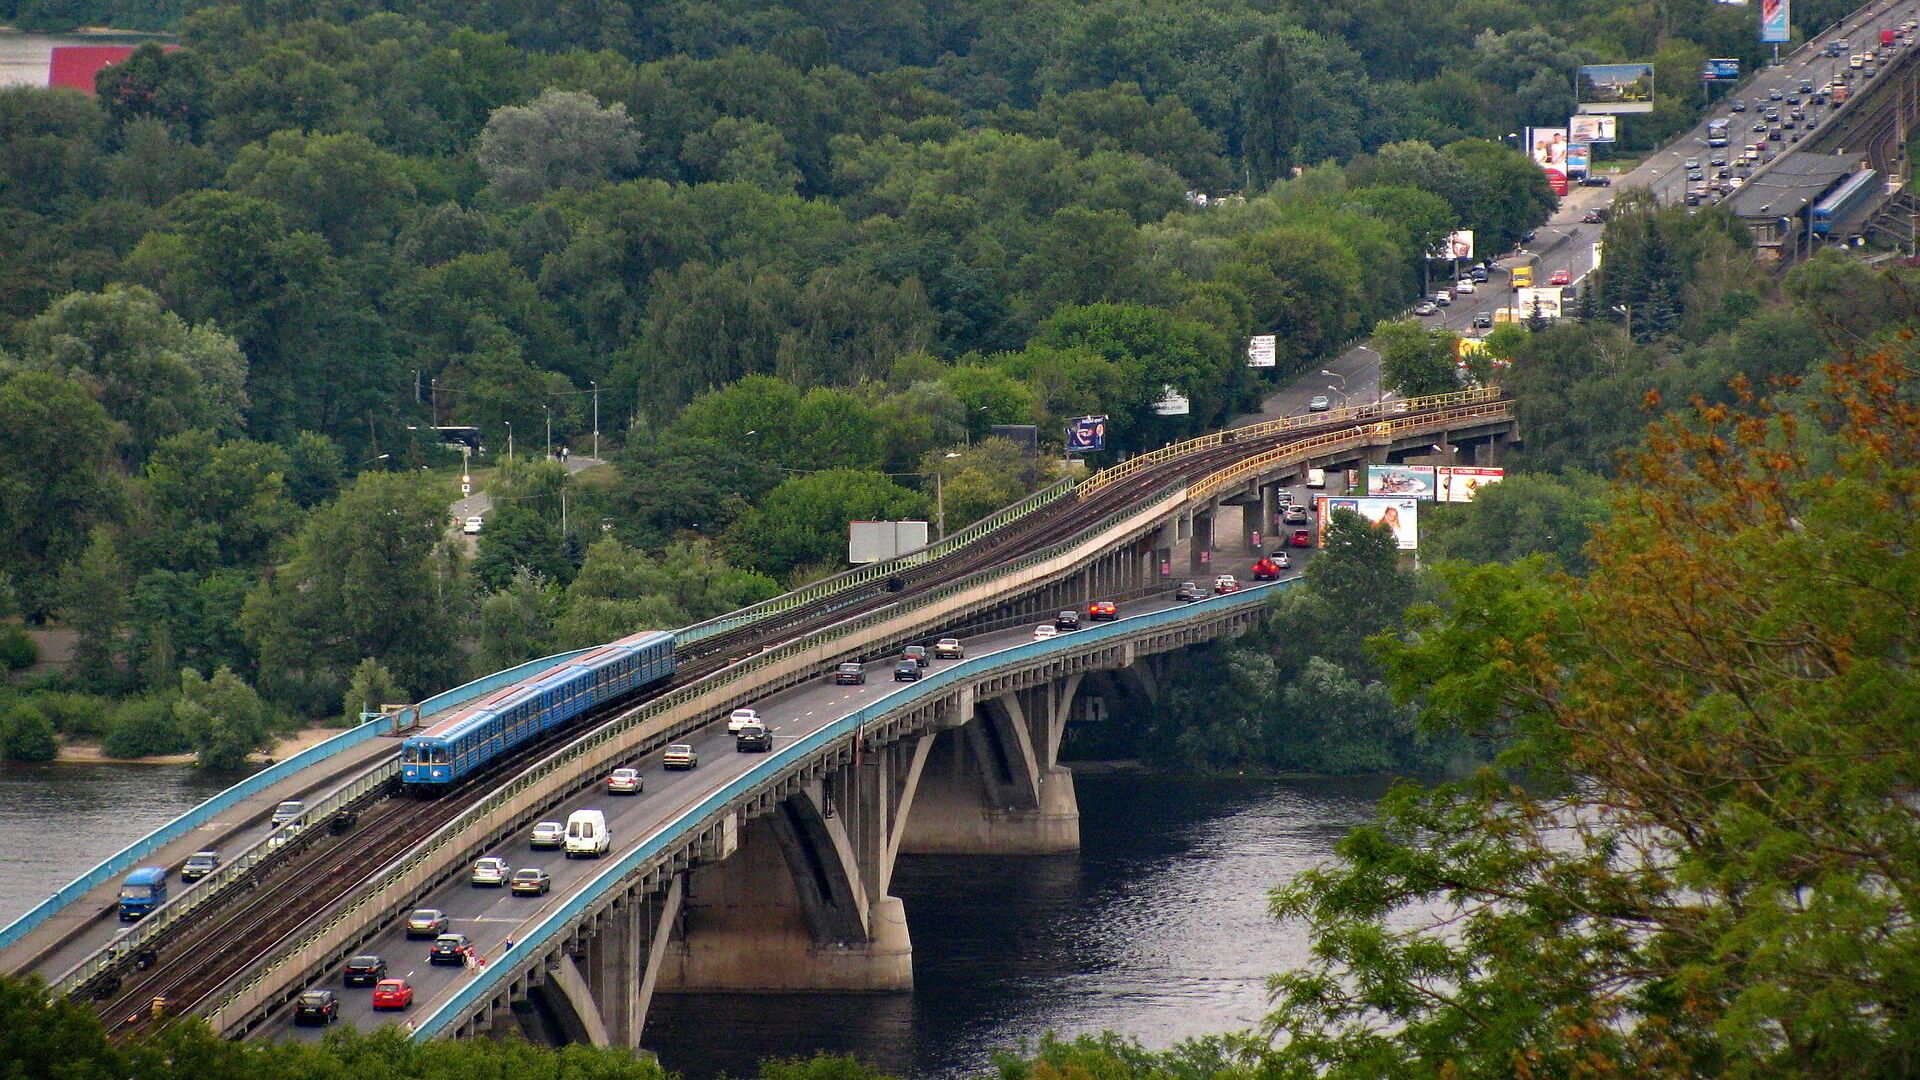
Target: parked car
(917,654)
(1596,180)
(1319,403)
(548,834)
(1103,610)
(850,674)
(392,994)
(625,782)
(753,739)
(906,671)
(1224,584)
(1301,538)
(740,718)
(491,871)
(530,881)
(448,949)
(949,648)
(1045,631)
(1066,619)
(320,1007)
(426,922)
(1189,592)
(364,971)
(680,756)
(199,865)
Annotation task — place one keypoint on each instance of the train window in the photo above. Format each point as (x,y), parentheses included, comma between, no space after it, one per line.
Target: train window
(440,754)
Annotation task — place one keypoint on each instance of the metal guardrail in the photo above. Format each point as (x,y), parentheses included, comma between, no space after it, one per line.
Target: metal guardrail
(486,982)
(579,757)
(874,571)
(128,857)
(1253,466)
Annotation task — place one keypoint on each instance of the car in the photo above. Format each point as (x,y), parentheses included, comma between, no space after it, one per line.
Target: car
(530,881)
(199,865)
(1103,610)
(1806,86)
(740,718)
(680,756)
(1319,403)
(753,739)
(448,949)
(1793,101)
(490,871)
(1189,592)
(1480,274)
(392,994)
(1772,116)
(1295,515)
(1425,308)
(1774,136)
(1593,217)
(1790,124)
(1443,298)
(1045,631)
(1300,538)
(1692,198)
(427,922)
(1482,320)
(625,782)
(285,835)
(320,1007)
(907,671)
(1224,584)
(850,674)
(548,834)
(1868,72)
(1465,287)
(472,526)
(1812,122)
(1266,570)
(286,812)
(949,648)
(1527,237)
(364,971)
(1282,560)
(1066,619)
(916,653)
(1774,94)
(1760,125)
(1696,175)
(1561,277)
(1717,160)
(1691,163)
(1595,180)
(1737,105)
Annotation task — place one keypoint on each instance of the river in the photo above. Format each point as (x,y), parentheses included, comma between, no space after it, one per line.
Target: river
(1157,928)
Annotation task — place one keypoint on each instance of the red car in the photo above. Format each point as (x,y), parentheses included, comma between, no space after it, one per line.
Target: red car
(1266,570)
(1561,277)
(392,994)
(1103,609)
(1300,538)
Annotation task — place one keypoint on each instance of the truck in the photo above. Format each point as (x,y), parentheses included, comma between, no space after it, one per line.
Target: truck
(1886,39)
(144,890)
(1840,92)
(1522,277)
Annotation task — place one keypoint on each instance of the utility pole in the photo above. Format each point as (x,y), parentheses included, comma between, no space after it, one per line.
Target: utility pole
(416,386)
(433,385)
(939,504)
(549,409)
(509,424)
(596,419)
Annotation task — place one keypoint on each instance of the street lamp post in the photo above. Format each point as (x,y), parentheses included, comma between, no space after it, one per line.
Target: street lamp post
(940,496)
(509,424)
(549,410)
(596,419)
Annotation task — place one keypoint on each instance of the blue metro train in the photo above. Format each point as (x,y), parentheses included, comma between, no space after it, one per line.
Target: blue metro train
(509,716)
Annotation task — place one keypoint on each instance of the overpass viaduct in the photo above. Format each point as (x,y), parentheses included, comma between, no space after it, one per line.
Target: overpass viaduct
(772,873)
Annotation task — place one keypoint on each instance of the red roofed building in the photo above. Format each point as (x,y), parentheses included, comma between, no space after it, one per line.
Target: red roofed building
(75,66)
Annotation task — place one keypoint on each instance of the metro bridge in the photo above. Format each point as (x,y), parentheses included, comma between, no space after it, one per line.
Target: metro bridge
(751,872)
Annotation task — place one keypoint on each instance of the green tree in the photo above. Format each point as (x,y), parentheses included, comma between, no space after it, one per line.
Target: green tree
(803,522)
(519,538)
(144,727)
(93,602)
(370,686)
(341,186)
(517,622)
(222,717)
(620,591)
(1271,125)
(49,501)
(26,734)
(561,139)
(1414,360)
(1552,515)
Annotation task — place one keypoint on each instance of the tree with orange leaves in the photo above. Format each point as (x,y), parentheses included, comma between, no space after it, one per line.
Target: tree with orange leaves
(1699,851)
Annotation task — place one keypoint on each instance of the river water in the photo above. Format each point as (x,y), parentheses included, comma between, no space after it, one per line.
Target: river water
(1156,928)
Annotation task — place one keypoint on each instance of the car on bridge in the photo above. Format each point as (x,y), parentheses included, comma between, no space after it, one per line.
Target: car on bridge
(917,654)
(1301,538)
(320,1007)
(625,782)
(364,971)
(680,756)
(906,671)
(1266,570)
(392,994)
(286,812)
(449,949)
(1319,403)
(530,881)
(1045,631)
(949,648)
(199,865)
(1103,611)
(740,718)
(427,922)
(850,674)
(754,738)
(548,834)
(1189,592)
(491,871)
(1066,619)
(1226,583)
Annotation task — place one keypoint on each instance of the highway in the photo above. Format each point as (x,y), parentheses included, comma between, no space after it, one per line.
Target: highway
(490,916)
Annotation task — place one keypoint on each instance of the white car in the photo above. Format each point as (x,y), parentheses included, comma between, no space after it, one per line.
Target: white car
(1045,631)
(492,871)
(548,834)
(624,782)
(1465,287)
(472,527)
(741,718)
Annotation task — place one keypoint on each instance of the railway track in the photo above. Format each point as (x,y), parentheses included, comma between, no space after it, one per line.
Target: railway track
(192,960)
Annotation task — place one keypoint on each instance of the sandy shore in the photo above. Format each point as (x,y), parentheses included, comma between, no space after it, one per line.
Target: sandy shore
(90,753)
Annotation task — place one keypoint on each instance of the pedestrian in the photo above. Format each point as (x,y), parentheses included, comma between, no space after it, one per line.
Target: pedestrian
(508,947)
(467,955)
(409,1027)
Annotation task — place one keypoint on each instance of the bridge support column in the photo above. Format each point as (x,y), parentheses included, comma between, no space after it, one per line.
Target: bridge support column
(599,993)
(1200,548)
(994,786)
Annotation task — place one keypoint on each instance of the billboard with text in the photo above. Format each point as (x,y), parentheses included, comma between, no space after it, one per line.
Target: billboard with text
(1578,159)
(1457,245)
(1457,483)
(1774,28)
(1087,434)
(1592,129)
(1614,88)
(1399,516)
(1548,148)
(1407,481)
(1721,69)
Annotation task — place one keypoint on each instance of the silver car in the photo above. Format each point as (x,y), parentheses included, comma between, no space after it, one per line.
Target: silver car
(548,834)
(491,870)
(1320,403)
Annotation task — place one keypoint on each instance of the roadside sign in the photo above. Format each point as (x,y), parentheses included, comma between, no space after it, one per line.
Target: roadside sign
(1087,434)
(1260,351)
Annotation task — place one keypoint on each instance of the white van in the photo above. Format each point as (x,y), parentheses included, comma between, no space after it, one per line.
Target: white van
(1316,478)
(587,834)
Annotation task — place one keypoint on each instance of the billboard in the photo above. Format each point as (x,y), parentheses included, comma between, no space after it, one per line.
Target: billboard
(1773,21)
(1721,69)
(1457,483)
(1457,245)
(1172,402)
(1577,159)
(1260,351)
(1401,516)
(1614,88)
(1405,481)
(1544,301)
(1548,148)
(1592,129)
(1087,434)
(878,541)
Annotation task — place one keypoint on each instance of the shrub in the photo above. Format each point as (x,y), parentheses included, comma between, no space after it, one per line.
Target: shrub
(17,650)
(26,734)
(143,727)
(75,715)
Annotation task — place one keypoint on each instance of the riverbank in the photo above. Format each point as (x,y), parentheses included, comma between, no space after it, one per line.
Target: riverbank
(82,753)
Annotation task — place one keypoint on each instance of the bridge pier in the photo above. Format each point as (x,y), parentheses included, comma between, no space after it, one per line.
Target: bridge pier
(1200,546)
(598,991)
(994,785)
